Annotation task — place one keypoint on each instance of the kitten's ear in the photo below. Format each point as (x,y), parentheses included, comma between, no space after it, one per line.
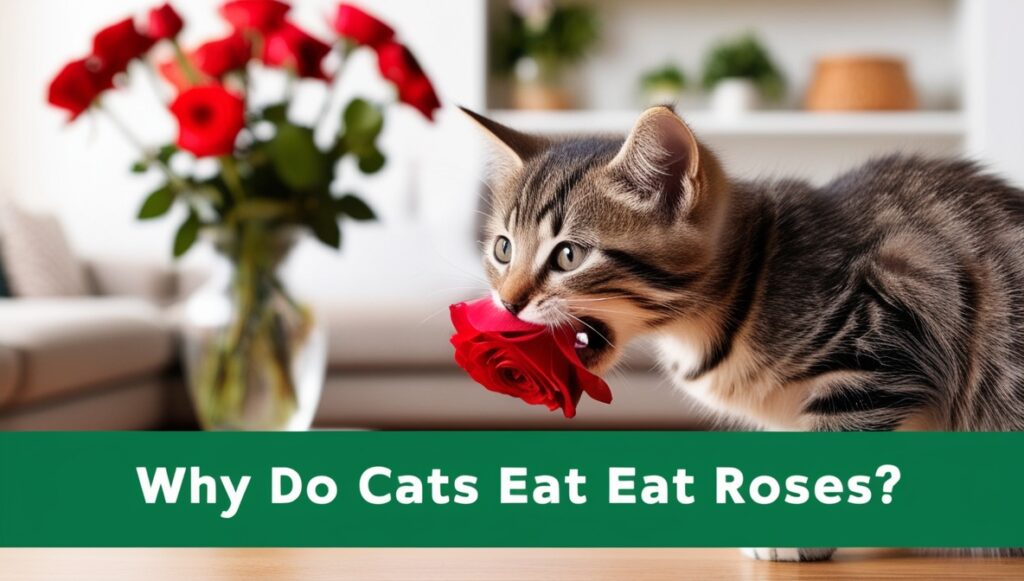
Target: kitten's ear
(660,160)
(519,146)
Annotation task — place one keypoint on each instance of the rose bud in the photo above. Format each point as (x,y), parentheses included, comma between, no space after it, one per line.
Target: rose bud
(164,23)
(77,85)
(507,355)
(398,65)
(419,94)
(361,27)
(219,57)
(116,45)
(263,16)
(291,47)
(209,120)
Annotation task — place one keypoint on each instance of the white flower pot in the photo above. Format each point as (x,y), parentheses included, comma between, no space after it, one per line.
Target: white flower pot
(734,97)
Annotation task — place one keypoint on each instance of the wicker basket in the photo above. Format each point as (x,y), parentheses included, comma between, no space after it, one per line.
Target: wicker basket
(860,83)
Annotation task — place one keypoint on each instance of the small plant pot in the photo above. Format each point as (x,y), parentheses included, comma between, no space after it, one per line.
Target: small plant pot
(735,97)
(539,85)
(662,95)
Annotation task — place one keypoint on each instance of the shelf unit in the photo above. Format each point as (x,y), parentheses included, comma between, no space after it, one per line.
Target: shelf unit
(943,124)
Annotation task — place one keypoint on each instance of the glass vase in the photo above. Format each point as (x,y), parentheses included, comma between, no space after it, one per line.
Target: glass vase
(254,356)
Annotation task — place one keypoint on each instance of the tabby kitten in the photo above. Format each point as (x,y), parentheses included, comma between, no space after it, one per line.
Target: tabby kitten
(887,299)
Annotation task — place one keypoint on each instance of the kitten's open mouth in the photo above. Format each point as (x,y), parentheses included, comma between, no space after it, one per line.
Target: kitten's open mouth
(593,340)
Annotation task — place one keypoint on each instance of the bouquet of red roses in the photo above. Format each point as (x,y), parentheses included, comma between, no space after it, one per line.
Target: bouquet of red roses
(269,176)
(270,167)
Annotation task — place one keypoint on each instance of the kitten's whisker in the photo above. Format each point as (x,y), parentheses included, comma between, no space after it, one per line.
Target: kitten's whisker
(611,311)
(595,300)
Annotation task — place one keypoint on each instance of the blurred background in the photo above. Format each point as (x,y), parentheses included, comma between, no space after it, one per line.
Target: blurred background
(789,87)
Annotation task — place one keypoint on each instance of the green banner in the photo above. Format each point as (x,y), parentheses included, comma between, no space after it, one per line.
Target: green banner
(511,489)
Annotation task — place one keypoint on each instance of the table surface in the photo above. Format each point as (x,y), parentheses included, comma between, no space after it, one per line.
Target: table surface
(480,565)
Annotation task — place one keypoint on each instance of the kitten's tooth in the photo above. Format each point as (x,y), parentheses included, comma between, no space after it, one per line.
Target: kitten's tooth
(582,340)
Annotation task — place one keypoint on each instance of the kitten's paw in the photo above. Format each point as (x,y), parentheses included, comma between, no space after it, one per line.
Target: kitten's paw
(793,555)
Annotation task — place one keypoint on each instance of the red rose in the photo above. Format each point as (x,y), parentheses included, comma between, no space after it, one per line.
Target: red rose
(219,57)
(398,65)
(510,356)
(361,27)
(291,47)
(77,85)
(116,45)
(261,15)
(419,94)
(164,23)
(209,120)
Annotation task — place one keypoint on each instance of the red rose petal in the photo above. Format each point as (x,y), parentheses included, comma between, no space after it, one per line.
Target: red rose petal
(510,356)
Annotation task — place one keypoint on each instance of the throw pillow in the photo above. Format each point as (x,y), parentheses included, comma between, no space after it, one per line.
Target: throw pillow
(37,258)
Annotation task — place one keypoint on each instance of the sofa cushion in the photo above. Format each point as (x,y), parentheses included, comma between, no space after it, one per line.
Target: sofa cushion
(365,335)
(71,345)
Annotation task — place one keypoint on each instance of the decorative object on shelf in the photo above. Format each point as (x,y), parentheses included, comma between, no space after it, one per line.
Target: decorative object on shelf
(540,40)
(860,83)
(663,85)
(254,180)
(740,73)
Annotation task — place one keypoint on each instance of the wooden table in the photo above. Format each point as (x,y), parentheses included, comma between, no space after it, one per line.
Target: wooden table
(478,565)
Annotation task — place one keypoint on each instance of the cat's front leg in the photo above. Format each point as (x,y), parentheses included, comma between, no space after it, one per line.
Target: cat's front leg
(794,555)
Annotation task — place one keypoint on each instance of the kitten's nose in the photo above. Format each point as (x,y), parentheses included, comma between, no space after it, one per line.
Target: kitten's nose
(513,308)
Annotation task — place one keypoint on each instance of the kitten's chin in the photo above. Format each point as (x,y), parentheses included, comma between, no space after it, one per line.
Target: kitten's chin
(594,344)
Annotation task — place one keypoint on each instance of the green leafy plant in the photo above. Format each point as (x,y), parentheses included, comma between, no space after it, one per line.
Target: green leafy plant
(745,58)
(667,77)
(555,35)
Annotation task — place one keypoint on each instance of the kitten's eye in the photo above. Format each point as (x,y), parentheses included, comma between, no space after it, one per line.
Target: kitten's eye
(568,256)
(503,250)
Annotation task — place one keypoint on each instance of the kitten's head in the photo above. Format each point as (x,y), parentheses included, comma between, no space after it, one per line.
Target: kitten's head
(604,234)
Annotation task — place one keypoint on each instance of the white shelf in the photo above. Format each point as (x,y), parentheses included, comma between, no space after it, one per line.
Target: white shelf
(760,123)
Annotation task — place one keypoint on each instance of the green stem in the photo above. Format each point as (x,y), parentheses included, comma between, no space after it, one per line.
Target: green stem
(229,168)
(191,74)
(332,90)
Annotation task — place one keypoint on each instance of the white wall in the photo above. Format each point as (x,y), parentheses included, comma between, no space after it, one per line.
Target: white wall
(995,86)
(80,171)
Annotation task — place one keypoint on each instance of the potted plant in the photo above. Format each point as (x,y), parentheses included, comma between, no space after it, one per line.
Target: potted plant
(539,40)
(740,73)
(663,85)
(253,179)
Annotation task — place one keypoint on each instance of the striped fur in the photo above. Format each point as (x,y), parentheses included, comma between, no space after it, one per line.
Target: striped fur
(890,298)
(887,299)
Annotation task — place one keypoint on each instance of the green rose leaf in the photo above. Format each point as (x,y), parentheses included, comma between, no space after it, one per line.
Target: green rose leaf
(363,122)
(354,208)
(296,158)
(140,167)
(187,234)
(371,161)
(325,228)
(157,204)
(166,153)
